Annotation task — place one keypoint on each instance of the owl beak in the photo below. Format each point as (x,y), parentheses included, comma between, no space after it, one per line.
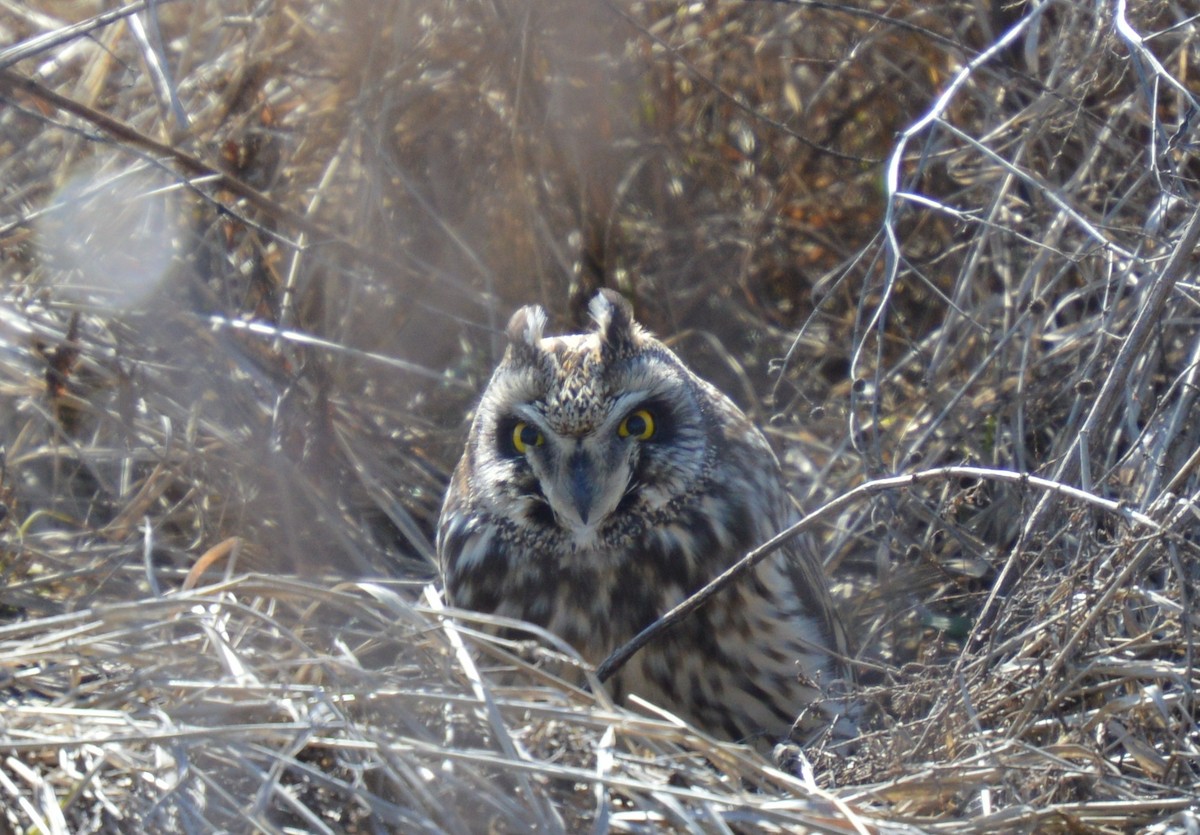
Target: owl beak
(582,481)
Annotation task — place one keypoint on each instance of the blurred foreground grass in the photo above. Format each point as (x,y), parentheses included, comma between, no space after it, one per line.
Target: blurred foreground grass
(255,259)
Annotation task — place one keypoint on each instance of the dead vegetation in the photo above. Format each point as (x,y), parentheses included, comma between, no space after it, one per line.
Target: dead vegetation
(255,261)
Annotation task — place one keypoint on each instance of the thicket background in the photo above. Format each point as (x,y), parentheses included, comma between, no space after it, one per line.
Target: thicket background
(256,259)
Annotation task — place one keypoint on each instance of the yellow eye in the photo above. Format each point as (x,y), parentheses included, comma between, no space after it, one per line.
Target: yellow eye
(524,436)
(639,425)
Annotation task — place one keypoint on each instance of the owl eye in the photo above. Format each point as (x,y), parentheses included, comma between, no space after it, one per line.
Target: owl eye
(638,425)
(525,436)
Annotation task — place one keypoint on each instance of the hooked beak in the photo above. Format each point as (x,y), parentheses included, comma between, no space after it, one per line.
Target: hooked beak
(581,477)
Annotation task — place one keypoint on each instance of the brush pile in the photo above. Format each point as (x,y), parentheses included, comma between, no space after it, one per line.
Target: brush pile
(256,259)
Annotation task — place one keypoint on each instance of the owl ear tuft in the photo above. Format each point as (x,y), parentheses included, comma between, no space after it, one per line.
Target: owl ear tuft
(525,330)
(613,316)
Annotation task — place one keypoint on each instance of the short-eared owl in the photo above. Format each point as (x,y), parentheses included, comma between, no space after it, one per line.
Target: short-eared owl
(602,483)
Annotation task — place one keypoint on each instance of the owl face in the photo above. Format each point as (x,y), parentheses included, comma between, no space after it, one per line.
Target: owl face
(574,432)
(602,483)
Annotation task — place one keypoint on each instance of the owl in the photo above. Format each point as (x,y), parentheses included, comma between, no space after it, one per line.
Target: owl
(603,483)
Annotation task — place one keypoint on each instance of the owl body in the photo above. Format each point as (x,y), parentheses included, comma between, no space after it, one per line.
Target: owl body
(603,483)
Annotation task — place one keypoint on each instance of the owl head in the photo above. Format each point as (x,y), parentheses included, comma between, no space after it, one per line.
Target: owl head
(579,434)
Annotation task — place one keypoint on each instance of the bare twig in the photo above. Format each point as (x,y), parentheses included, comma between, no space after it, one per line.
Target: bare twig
(871,488)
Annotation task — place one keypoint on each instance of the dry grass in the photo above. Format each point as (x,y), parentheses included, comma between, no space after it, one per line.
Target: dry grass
(255,260)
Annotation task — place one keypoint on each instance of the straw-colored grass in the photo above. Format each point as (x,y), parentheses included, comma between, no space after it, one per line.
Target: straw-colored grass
(255,261)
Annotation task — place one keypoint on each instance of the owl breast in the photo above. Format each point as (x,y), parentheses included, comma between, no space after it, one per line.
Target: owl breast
(602,484)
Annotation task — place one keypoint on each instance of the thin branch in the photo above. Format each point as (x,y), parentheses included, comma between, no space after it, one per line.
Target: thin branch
(15,85)
(48,40)
(880,485)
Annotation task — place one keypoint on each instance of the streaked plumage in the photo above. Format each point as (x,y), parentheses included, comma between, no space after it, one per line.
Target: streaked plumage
(602,483)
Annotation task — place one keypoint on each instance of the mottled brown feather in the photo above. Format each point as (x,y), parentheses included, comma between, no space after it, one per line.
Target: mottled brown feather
(594,532)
